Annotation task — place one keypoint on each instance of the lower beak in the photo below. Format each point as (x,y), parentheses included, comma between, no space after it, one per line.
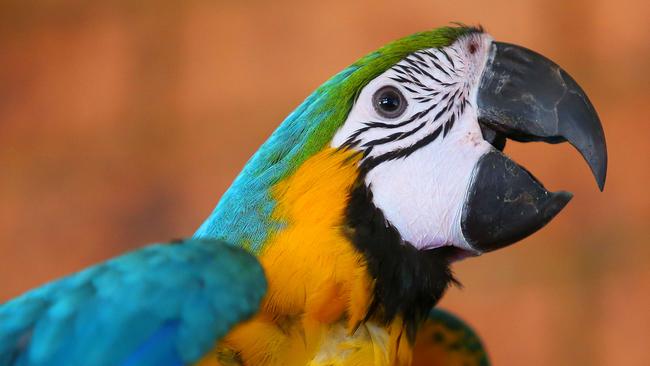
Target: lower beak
(525,97)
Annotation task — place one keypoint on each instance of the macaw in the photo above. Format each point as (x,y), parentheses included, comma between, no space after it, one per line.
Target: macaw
(334,243)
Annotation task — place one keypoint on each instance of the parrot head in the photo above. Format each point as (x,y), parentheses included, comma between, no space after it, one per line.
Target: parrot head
(423,121)
(432,128)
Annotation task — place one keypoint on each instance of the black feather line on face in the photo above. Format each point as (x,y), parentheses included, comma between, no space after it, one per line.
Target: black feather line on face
(372,161)
(410,75)
(430,76)
(395,136)
(353,140)
(423,100)
(442,69)
(451,61)
(449,124)
(407,282)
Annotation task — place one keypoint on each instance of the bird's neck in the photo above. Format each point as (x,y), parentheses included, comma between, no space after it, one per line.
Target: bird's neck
(243,215)
(310,263)
(334,261)
(318,228)
(319,286)
(335,243)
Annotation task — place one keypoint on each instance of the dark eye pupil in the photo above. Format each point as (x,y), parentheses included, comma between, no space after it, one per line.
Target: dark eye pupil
(472,48)
(389,102)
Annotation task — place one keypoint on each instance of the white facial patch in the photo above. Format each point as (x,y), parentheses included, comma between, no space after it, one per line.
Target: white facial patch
(423,195)
(420,164)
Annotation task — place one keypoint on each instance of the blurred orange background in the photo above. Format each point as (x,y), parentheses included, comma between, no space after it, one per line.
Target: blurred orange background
(122,123)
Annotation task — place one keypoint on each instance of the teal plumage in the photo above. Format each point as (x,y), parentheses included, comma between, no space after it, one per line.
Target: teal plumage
(165,304)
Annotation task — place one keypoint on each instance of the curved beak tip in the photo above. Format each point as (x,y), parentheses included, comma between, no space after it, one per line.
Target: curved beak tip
(601,181)
(561,199)
(527,97)
(598,167)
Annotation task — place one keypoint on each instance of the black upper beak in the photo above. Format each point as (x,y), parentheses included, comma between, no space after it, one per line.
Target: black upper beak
(525,97)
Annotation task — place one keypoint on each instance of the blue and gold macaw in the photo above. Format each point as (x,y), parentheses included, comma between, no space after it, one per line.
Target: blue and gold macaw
(335,242)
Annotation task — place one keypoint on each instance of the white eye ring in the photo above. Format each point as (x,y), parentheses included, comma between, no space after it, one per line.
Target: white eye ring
(389,102)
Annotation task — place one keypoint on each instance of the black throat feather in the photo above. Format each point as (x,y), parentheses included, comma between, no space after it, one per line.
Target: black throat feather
(407,282)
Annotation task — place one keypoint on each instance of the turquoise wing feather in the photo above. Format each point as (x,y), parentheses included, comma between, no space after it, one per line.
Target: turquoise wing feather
(165,304)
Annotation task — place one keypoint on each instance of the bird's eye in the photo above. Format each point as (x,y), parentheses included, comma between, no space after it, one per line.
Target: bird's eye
(389,102)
